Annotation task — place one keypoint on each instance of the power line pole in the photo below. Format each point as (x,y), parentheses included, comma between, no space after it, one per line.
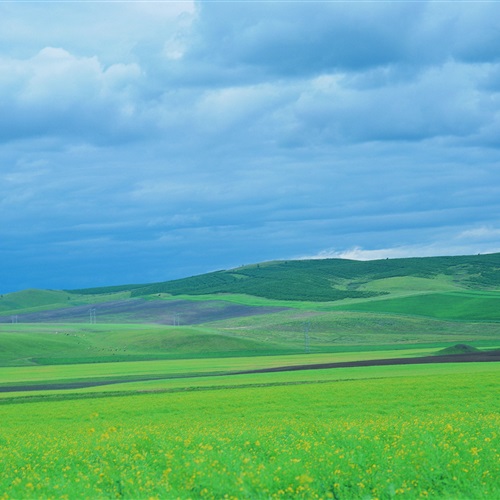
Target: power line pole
(307,327)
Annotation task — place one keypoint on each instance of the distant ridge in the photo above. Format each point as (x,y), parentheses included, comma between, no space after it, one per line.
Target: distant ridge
(322,280)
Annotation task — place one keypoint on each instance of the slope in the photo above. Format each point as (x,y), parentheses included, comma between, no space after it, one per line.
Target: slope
(329,279)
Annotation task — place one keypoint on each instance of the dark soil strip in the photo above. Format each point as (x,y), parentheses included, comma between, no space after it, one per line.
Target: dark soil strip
(60,386)
(452,358)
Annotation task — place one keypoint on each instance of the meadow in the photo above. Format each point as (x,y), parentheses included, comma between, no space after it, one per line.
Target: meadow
(411,433)
(156,395)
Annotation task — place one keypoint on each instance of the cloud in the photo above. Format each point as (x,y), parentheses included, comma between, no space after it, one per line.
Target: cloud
(358,253)
(56,93)
(481,234)
(296,39)
(437,102)
(303,39)
(114,30)
(176,137)
(430,250)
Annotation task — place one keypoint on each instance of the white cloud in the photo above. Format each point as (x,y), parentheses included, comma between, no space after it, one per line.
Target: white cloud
(57,93)
(441,248)
(483,233)
(358,253)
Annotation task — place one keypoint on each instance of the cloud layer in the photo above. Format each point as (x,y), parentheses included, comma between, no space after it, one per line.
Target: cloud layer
(147,141)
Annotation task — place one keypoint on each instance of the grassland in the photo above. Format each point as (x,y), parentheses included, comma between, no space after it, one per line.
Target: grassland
(156,400)
(397,301)
(48,344)
(262,335)
(333,279)
(33,300)
(179,368)
(463,305)
(364,434)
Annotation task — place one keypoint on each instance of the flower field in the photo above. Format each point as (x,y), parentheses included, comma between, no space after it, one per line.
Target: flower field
(412,436)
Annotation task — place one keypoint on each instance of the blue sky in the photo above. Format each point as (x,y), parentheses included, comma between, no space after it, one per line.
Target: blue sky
(145,141)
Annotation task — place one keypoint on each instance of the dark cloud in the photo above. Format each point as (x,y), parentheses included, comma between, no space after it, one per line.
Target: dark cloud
(297,39)
(304,38)
(148,141)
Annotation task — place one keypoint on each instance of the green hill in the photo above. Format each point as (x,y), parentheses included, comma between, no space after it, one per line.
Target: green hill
(331,279)
(33,300)
(25,344)
(266,308)
(457,305)
(36,301)
(459,288)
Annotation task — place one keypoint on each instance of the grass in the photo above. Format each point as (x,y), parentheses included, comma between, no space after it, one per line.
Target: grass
(28,344)
(379,436)
(255,335)
(176,420)
(133,370)
(32,300)
(334,329)
(458,349)
(263,335)
(392,302)
(335,279)
(459,306)
(330,279)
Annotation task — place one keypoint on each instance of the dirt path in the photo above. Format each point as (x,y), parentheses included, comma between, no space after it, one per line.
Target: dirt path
(454,358)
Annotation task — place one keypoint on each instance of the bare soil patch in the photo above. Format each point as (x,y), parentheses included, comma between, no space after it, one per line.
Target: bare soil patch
(164,312)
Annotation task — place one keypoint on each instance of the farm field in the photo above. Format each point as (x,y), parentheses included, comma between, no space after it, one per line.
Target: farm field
(187,372)
(381,432)
(278,380)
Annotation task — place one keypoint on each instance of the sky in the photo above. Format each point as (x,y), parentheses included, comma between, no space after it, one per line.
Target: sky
(148,141)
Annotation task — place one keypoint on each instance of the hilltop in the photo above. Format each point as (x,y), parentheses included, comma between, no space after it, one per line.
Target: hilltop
(328,279)
(362,285)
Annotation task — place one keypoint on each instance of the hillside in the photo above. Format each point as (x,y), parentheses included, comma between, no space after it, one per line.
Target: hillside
(269,308)
(328,279)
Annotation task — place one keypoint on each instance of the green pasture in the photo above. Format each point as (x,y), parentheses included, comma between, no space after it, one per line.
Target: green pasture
(333,279)
(174,417)
(332,329)
(177,378)
(44,343)
(459,306)
(267,334)
(386,432)
(175,368)
(406,285)
(33,300)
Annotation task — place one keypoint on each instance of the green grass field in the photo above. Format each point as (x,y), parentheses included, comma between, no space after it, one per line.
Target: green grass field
(263,335)
(458,306)
(180,368)
(374,433)
(137,407)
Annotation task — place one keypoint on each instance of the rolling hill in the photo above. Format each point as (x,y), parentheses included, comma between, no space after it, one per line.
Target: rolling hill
(327,279)
(265,308)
